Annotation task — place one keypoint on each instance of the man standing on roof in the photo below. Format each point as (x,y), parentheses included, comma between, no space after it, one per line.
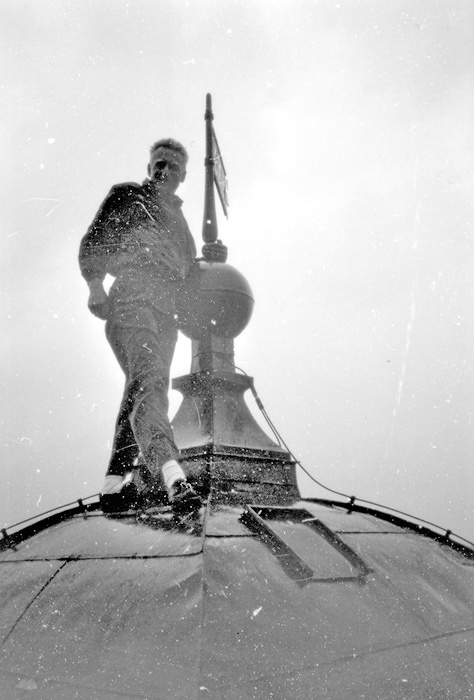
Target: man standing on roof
(140,237)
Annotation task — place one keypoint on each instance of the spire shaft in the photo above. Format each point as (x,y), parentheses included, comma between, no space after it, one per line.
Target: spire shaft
(209,226)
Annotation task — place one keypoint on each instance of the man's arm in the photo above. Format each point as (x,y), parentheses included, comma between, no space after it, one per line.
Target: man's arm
(99,246)
(92,254)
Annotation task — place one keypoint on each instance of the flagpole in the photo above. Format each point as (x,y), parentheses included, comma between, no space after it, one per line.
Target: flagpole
(209,226)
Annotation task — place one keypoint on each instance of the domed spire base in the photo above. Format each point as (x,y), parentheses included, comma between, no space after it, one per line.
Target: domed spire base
(222,445)
(214,411)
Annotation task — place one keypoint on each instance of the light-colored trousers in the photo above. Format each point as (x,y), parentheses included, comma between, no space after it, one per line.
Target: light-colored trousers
(143,340)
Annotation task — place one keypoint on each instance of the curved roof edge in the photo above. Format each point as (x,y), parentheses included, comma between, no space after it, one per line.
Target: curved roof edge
(405,520)
(14,534)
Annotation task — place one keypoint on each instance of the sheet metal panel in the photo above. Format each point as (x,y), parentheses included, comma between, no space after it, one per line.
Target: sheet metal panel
(275,627)
(124,626)
(17,687)
(97,536)
(441,669)
(425,578)
(19,586)
(225,521)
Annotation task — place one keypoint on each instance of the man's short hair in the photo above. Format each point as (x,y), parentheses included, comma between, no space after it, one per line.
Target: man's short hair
(171,144)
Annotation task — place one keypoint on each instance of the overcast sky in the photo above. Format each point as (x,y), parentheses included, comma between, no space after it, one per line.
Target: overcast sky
(346,131)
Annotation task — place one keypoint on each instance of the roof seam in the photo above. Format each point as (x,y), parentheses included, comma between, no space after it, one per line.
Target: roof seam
(28,606)
(107,558)
(355,657)
(375,532)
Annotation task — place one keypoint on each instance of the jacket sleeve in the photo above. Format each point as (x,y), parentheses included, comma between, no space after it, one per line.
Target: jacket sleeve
(102,240)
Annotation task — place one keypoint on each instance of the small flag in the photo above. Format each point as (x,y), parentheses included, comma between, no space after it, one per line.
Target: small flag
(220,177)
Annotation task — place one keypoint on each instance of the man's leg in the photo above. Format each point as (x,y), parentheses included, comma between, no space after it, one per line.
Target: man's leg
(149,417)
(145,351)
(125,448)
(149,354)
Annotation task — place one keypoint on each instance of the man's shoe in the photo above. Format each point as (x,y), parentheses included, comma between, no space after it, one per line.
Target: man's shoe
(183,498)
(124,500)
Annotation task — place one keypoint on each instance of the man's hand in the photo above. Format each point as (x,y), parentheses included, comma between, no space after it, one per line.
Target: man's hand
(215,252)
(98,300)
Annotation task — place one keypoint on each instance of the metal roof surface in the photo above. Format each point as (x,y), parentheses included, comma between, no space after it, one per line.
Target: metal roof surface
(286,603)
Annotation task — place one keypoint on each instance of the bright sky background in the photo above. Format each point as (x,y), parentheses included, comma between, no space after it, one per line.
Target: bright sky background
(346,130)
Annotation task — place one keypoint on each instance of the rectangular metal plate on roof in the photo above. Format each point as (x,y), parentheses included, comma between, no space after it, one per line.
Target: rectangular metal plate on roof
(306,547)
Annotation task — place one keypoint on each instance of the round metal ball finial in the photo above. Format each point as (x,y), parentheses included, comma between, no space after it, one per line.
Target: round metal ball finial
(216,299)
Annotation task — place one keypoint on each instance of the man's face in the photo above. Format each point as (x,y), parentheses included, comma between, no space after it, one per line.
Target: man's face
(167,168)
